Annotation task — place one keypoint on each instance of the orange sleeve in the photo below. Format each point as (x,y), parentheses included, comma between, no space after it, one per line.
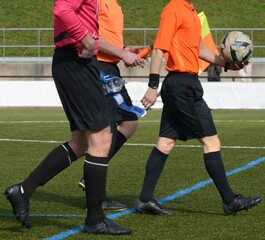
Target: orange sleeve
(166,30)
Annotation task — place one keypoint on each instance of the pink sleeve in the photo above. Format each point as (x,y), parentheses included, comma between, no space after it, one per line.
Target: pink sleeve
(65,12)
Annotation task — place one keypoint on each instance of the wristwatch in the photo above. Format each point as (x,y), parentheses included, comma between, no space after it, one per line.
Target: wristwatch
(153,85)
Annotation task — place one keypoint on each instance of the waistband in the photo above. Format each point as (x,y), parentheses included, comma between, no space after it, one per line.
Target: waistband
(183,74)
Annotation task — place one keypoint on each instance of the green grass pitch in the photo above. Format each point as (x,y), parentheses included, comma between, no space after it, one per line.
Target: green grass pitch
(28,134)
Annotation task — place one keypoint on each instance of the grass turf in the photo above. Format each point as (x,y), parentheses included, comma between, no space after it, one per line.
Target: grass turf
(28,134)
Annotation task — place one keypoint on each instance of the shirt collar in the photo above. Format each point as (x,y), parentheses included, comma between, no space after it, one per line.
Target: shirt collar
(187,4)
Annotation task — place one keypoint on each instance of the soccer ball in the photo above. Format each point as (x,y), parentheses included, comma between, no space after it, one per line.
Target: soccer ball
(236,47)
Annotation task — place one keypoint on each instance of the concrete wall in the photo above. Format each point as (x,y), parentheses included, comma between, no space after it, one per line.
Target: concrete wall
(29,83)
(34,70)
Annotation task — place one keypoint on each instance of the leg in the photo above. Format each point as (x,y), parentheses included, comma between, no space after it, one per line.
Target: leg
(95,174)
(215,167)
(56,161)
(128,128)
(154,167)
(125,130)
(232,203)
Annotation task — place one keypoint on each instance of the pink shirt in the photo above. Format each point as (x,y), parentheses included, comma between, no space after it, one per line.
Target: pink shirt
(73,20)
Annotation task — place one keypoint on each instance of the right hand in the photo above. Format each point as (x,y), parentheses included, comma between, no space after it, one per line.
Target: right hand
(88,47)
(132,59)
(86,53)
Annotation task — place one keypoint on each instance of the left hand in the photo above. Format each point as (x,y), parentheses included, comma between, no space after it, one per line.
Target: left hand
(149,98)
(236,66)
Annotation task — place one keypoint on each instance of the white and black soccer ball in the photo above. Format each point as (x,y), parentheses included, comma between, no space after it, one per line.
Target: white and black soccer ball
(236,47)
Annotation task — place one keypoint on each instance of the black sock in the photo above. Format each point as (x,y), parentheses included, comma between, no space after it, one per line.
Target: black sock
(117,142)
(215,168)
(57,160)
(154,167)
(95,174)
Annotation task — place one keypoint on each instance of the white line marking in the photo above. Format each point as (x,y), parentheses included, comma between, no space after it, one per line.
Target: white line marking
(141,121)
(197,146)
(29,141)
(219,121)
(33,121)
(130,144)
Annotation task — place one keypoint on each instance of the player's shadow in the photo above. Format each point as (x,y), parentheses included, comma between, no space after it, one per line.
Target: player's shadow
(76,201)
(38,222)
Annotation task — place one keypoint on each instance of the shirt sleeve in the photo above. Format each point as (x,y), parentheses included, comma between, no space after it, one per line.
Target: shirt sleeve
(65,12)
(166,30)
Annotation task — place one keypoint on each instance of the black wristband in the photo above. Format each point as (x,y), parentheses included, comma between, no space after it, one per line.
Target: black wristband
(226,66)
(153,80)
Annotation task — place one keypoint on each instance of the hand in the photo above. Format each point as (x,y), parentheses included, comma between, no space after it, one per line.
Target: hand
(86,53)
(236,66)
(133,49)
(131,59)
(88,47)
(149,98)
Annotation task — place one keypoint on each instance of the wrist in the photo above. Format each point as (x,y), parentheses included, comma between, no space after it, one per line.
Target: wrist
(153,80)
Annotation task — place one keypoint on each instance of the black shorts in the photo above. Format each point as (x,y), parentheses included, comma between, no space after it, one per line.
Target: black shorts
(79,88)
(185,114)
(121,115)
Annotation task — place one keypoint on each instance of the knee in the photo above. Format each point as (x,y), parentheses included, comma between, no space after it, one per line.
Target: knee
(128,128)
(99,142)
(211,144)
(78,144)
(165,145)
(78,147)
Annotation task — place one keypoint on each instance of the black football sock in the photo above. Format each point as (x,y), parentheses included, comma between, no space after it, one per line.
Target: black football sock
(154,167)
(118,140)
(57,160)
(95,174)
(215,168)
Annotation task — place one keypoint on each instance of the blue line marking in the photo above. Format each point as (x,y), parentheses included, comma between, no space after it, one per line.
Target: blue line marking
(48,215)
(178,194)
(169,198)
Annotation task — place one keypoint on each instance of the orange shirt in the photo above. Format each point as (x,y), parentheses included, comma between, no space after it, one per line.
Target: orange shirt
(110,21)
(179,36)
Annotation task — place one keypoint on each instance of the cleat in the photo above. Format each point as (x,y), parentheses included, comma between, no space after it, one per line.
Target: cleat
(107,226)
(241,203)
(152,207)
(107,204)
(20,206)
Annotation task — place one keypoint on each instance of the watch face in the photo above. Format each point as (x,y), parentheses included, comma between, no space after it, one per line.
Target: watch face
(153,85)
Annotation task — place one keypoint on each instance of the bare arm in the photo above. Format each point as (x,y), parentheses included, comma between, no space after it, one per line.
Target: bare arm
(209,56)
(156,61)
(150,96)
(88,47)
(129,57)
